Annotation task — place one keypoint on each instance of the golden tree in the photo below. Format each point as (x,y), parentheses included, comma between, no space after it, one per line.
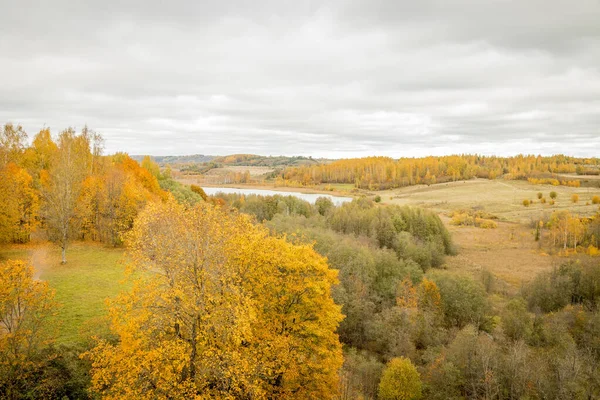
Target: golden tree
(222,310)
(61,187)
(400,381)
(25,306)
(19,202)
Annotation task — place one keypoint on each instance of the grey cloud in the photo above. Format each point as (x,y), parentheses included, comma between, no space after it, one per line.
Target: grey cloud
(337,79)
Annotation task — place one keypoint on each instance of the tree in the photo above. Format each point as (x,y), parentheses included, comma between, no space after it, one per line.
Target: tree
(463,300)
(25,306)
(400,381)
(12,144)
(323,205)
(18,216)
(151,166)
(553,195)
(222,311)
(540,195)
(61,188)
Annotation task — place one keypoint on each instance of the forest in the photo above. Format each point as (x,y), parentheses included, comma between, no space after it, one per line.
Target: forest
(254,297)
(378,173)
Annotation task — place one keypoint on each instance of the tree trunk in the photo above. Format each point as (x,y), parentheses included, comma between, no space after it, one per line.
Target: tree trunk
(64,255)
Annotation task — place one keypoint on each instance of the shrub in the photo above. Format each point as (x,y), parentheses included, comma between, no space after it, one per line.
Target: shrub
(553,195)
(596,200)
(540,195)
(526,203)
(485,223)
(377,199)
(551,202)
(543,200)
(575,198)
(400,381)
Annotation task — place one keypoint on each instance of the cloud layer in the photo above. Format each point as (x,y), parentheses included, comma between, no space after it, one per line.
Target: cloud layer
(333,79)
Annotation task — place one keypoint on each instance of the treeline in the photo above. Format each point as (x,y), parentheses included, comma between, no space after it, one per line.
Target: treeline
(378,173)
(66,187)
(465,338)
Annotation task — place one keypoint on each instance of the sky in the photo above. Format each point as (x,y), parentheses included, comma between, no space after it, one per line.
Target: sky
(324,79)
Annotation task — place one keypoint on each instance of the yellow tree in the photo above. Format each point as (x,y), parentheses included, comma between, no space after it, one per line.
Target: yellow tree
(400,381)
(40,156)
(223,311)
(62,187)
(19,204)
(25,307)
(12,144)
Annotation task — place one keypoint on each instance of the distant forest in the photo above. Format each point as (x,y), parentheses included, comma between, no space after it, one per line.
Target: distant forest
(383,172)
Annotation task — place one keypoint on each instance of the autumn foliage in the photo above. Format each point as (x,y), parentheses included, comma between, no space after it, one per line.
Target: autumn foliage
(384,172)
(223,311)
(25,308)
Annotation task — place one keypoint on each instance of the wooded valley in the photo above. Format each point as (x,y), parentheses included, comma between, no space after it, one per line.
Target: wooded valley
(272,297)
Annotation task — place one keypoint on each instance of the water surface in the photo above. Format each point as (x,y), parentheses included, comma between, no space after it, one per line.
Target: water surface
(310,197)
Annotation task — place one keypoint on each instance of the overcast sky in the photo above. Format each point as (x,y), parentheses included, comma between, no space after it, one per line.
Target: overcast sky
(332,79)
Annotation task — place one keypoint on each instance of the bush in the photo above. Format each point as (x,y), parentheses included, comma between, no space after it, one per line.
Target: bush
(526,203)
(400,381)
(540,195)
(543,200)
(377,199)
(551,202)
(575,198)
(596,200)
(553,195)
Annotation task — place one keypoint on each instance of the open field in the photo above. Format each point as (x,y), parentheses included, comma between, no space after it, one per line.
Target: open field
(510,251)
(499,197)
(92,274)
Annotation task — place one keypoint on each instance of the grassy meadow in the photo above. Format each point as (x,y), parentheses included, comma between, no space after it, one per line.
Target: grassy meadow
(510,251)
(92,274)
(502,198)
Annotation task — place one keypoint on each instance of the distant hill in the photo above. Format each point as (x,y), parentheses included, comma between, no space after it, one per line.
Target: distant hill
(251,160)
(195,158)
(266,161)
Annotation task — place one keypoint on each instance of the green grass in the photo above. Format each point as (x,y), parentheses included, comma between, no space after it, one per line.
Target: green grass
(92,274)
(338,186)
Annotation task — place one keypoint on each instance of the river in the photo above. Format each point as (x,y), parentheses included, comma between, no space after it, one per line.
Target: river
(310,197)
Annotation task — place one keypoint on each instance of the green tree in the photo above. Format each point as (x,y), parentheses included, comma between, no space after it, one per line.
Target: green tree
(464,301)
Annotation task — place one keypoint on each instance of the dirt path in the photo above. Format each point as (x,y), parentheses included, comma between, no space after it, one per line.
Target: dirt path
(39,260)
